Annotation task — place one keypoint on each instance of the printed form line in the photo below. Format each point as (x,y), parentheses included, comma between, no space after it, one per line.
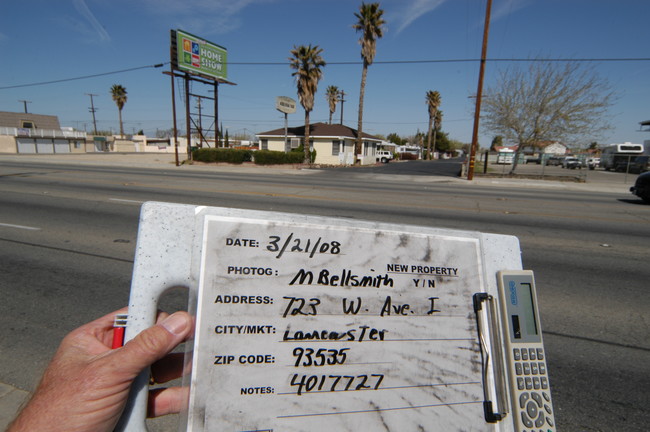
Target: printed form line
(381,409)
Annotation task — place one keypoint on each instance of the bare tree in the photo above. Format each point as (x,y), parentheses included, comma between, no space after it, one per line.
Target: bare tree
(547,101)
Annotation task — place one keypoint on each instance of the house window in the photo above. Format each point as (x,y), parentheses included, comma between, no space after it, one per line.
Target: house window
(264,144)
(27,124)
(336,147)
(295,143)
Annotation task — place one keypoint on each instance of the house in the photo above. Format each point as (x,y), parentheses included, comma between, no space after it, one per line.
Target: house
(553,148)
(37,133)
(334,143)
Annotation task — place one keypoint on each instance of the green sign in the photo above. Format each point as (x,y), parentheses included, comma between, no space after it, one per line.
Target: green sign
(199,56)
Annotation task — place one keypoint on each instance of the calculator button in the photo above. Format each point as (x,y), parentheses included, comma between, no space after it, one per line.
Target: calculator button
(540,354)
(547,397)
(537,398)
(549,421)
(520,383)
(518,369)
(544,383)
(523,398)
(536,384)
(525,420)
(542,368)
(526,368)
(532,354)
(532,410)
(529,384)
(524,354)
(540,420)
(516,354)
(548,409)
(533,368)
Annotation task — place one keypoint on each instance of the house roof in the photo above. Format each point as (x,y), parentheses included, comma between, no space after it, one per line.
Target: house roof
(41,121)
(319,130)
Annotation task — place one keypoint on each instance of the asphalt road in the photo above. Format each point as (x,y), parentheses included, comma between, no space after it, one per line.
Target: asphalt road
(67,236)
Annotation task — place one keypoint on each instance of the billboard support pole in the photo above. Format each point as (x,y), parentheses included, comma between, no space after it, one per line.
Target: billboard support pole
(171,76)
(216,112)
(187,116)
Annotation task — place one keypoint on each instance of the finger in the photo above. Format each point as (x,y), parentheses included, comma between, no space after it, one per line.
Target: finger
(168,368)
(167,401)
(151,344)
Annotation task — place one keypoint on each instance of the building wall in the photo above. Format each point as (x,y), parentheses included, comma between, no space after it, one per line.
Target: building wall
(7,144)
(324,151)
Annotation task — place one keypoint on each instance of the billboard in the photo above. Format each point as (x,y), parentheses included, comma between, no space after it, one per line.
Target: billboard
(198,56)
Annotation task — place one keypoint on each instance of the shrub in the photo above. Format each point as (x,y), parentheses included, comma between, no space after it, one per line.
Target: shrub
(222,155)
(269,157)
(407,156)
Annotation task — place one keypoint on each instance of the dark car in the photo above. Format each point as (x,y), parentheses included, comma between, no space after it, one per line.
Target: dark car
(554,160)
(639,164)
(641,187)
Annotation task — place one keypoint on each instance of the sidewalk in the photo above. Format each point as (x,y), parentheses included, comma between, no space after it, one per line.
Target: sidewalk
(596,182)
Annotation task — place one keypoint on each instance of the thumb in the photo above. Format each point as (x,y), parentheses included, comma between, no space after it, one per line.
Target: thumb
(153,343)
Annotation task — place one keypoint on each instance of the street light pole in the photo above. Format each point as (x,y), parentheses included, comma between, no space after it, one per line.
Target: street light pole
(479,92)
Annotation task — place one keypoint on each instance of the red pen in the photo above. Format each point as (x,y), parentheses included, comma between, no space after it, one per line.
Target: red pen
(119,326)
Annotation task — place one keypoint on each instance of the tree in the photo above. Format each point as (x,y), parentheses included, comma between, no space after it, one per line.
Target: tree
(433,103)
(437,124)
(332,96)
(307,62)
(395,139)
(497,141)
(547,101)
(370,23)
(118,93)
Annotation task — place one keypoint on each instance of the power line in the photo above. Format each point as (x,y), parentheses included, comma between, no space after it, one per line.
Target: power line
(344,63)
(83,77)
(466,60)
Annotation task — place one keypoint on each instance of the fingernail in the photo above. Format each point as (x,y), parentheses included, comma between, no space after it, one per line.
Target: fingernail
(175,323)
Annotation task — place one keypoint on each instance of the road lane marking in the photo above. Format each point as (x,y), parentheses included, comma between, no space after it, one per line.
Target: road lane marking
(20,227)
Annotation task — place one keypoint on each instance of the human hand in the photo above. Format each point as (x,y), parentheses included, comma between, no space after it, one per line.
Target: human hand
(86,385)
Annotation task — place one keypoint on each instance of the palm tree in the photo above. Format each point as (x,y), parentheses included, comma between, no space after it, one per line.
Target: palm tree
(433,103)
(332,96)
(437,124)
(307,62)
(370,23)
(118,92)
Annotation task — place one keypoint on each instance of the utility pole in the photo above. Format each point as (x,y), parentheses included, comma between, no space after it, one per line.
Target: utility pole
(92,109)
(25,102)
(479,93)
(342,99)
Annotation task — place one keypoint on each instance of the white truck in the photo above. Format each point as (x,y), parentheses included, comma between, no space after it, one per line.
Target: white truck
(383,156)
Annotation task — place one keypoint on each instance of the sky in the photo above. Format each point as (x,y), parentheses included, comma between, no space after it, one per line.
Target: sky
(427,45)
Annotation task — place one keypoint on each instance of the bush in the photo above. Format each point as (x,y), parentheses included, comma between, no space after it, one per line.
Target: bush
(407,156)
(269,157)
(222,155)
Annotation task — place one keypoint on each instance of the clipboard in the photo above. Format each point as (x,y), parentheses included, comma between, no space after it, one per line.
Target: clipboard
(307,323)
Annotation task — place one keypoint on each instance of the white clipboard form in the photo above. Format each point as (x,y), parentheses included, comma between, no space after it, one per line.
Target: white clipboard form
(308,323)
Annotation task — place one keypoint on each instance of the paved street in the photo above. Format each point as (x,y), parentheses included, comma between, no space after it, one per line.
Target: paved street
(68,229)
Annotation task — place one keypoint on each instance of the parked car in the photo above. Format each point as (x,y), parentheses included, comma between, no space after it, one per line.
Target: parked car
(571,162)
(554,160)
(383,156)
(534,159)
(593,163)
(640,164)
(641,187)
